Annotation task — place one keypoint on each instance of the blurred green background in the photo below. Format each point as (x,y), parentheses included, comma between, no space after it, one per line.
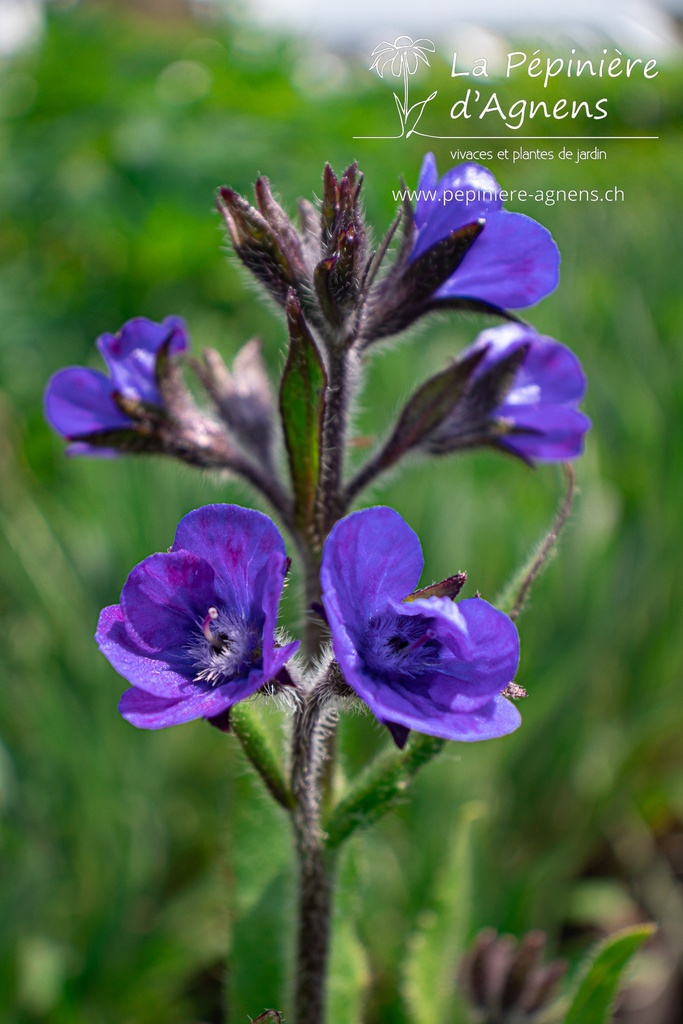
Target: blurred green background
(133,862)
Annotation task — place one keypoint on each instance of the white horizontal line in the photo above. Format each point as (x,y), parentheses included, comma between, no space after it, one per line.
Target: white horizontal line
(514,138)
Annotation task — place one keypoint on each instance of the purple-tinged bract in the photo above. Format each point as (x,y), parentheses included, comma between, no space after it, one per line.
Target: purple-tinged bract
(80,401)
(514,262)
(427,664)
(194,632)
(540,407)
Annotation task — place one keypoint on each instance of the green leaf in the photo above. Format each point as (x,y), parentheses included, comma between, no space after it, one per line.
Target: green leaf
(302,402)
(439,940)
(380,788)
(601,973)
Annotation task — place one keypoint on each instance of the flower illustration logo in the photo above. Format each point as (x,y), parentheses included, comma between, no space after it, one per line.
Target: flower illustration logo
(403,58)
(403,54)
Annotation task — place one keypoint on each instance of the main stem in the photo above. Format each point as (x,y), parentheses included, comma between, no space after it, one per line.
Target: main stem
(316,867)
(313,731)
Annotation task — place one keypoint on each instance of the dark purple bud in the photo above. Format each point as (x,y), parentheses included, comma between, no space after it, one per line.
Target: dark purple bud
(329,210)
(244,398)
(322,280)
(283,228)
(338,276)
(309,217)
(267,252)
(504,981)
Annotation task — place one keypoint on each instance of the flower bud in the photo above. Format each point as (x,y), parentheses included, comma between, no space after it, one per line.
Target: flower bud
(264,240)
(243,398)
(504,981)
(338,276)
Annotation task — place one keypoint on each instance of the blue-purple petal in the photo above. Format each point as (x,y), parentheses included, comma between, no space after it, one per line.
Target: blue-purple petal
(452,690)
(541,403)
(556,432)
(436,215)
(369,557)
(169,675)
(238,542)
(79,401)
(154,637)
(513,263)
(552,368)
(147,711)
(165,599)
(480,650)
(141,334)
(83,448)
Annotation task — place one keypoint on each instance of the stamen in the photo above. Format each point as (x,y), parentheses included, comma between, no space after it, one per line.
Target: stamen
(211,616)
(428,634)
(227,647)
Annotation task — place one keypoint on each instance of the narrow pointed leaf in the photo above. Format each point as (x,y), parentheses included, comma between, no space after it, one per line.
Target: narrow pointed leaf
(594,996)
(349,967)
(439,939)
(302,403)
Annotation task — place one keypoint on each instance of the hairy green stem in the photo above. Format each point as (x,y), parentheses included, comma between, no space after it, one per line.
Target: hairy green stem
(312,722)
(513,598)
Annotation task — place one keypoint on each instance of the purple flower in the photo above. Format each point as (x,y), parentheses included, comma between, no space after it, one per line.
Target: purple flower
(514,262)
(79,401)
(194,632)
(426,664)
(540,407)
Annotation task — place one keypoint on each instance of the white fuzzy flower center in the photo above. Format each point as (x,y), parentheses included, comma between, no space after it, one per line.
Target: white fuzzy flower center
(227,646)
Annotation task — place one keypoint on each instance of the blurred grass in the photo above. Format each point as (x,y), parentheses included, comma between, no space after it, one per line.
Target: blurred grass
(116,847)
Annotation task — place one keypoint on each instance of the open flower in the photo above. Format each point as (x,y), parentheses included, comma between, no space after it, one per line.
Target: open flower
(537,419)
(80,401)
(513,262)
(425,664)
(194,632)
